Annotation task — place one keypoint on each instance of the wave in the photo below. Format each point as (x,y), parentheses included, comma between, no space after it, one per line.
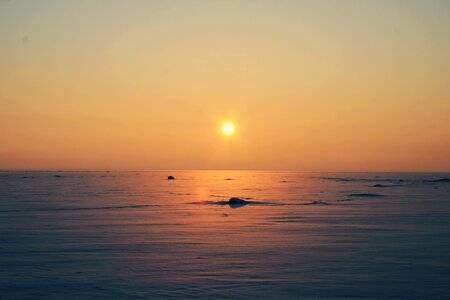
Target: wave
(228,203)
(386,185)
(317,203)
(235,205)
(369,195)
(447,180)
(396,180)
(77,208)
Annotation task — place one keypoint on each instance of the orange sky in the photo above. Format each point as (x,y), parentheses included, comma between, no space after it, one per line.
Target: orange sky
(310,85)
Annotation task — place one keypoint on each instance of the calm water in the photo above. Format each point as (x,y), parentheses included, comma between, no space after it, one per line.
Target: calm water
(136,235)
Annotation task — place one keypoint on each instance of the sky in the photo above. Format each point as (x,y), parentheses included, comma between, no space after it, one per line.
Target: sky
(310,85)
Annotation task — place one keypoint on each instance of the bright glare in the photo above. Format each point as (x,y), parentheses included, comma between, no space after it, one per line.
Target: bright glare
(228,128)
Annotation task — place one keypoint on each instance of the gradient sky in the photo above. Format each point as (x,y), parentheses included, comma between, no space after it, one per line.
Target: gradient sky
(310,85)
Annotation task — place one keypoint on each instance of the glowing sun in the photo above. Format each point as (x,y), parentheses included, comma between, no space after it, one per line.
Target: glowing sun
(228,128)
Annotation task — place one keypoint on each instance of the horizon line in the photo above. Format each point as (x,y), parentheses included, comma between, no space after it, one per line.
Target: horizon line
(176,170)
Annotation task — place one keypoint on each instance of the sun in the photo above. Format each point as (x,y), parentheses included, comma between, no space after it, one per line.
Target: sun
(228,128)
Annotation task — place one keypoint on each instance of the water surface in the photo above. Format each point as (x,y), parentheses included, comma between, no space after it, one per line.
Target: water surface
(137,235)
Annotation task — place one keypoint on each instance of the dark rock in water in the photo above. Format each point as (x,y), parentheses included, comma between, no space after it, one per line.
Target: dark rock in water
(170,178)
(235,200)
(58,176)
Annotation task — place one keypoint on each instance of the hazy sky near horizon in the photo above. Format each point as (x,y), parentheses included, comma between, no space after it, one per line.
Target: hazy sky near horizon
(310,85)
